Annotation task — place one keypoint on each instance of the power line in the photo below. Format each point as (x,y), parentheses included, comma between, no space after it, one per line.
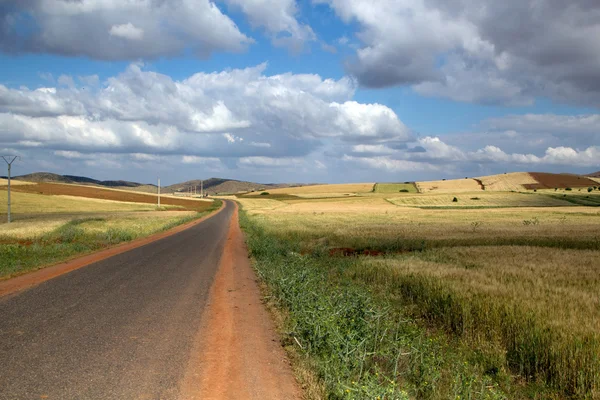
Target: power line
(9,160)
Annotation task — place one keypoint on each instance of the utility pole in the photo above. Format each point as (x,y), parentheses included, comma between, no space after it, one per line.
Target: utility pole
(9,160)
(202,188)
(158,192)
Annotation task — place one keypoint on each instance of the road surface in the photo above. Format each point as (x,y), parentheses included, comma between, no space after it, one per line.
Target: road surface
(121,328)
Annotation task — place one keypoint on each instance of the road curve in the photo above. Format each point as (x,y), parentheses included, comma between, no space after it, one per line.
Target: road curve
(121,328)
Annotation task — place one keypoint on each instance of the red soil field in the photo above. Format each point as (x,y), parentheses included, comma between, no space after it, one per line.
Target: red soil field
(561,181)
(105,194)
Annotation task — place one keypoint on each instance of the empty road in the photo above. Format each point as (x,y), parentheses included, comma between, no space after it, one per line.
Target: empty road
(121,328)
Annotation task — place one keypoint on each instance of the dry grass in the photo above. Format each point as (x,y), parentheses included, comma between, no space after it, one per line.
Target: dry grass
(533,278)
(4,182)
(594,179)
(507,182)
(479,199)
(27,203)
(449,186)
(324,189)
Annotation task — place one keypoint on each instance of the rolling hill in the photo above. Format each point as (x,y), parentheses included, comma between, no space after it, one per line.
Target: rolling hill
(212,186)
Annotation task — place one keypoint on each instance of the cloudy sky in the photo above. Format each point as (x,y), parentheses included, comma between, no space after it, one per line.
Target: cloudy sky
(300,91)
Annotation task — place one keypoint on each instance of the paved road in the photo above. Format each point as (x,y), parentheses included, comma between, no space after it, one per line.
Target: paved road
(122,328)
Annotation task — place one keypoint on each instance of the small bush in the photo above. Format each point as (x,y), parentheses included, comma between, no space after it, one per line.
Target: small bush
(455,200)
(264,194)
(568,189)
(475,198)
(404,191)
(590,189)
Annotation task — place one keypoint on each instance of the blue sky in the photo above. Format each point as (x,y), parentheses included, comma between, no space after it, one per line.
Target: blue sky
(306,91)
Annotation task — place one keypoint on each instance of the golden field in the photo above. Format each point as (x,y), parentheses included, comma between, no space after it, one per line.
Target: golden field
(517,284)
(337,189)
(507,182)
(449,186)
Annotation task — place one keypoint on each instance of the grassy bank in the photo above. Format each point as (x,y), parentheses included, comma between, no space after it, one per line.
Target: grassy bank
(507,297)
(38,242)
(358,343)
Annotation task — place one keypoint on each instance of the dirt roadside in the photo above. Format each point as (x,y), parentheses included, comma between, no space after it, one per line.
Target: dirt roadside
(237,354)
(21,282)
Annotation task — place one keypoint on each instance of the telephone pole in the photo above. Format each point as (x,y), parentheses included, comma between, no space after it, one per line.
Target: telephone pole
(158,192)
(9,160)
(202,188)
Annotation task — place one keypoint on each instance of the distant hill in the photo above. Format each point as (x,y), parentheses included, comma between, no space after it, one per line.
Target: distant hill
(594,174)
(212,186)
(48,177)
(215,186)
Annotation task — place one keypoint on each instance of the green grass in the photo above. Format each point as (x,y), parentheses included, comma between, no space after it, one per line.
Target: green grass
(395,188)
(360,345)
(80,236)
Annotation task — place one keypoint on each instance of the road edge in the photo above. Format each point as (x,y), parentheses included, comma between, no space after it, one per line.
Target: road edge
(34,278)
(237,352)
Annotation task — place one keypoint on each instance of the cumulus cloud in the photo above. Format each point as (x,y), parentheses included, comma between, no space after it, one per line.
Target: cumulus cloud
(486,51)
(278,18)
(118,30)
(230,114)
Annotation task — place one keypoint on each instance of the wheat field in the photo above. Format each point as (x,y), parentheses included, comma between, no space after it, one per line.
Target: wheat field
(518,284)
(449,186)
(4,182)
(336,189)
(479,199)
(507,182)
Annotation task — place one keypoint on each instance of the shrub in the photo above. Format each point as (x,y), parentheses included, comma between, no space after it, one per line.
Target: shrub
(475,198)
(568,189)
(590,189)
(455,200)
(404,190)
(264,194)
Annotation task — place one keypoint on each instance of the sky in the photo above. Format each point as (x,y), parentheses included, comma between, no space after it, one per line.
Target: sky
(299,91)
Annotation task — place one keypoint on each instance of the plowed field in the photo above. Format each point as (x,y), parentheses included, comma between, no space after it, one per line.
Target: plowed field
(551,181)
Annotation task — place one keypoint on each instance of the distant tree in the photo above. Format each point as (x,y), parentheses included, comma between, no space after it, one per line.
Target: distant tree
(455,200)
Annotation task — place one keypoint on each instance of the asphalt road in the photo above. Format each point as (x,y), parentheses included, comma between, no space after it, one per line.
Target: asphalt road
(121,328)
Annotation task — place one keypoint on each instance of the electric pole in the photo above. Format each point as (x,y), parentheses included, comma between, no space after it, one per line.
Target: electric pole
(202,188)
(9,160)
(158,192)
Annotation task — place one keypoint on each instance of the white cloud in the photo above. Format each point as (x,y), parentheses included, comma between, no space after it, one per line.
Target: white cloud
(118,30)
(484,51)
(127,31)
(270,162)
(139,111)
(277,17)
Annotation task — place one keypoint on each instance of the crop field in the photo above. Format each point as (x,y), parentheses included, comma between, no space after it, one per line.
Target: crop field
(51,228)
(400,302)
(506,182)
(4,182)
(55,189)
(549,181)
(337,189)
(449,186)
(481,199)
(26,203)
(395,188)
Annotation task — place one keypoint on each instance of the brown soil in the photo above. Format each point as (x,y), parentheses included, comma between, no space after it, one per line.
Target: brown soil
(561,181)
(106,194)
(481,185)
(237,354)
(12,285)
